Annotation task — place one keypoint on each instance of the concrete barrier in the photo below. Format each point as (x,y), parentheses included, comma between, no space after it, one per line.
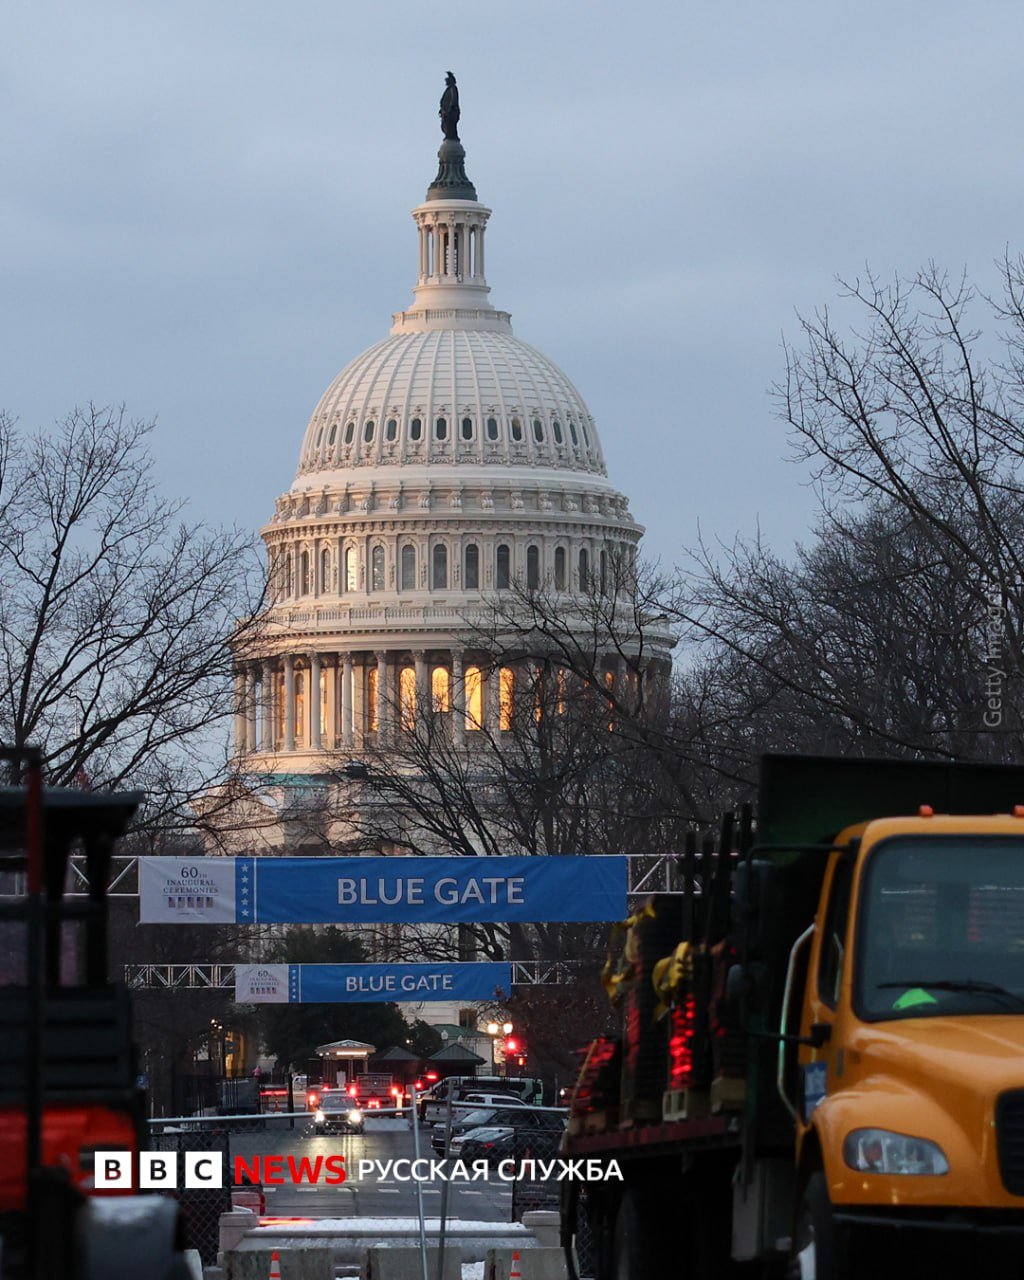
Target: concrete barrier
(406,1263)
(546,1225)
(296,1264)
(534,1264)
(349,1238)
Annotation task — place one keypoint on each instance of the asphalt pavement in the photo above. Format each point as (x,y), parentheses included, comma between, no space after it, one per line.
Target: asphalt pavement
(373,1196)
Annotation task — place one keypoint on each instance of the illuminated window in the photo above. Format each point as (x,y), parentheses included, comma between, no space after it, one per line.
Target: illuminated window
(440,567)
(441,690)
(474,682)
(503,575)
(506,697)
(561,679)
(377,568)
(299,681)
(371,700)
(408,568)
(532,567)
(407,698)
(351,572)
(517,429)
(471,577)
(559,568)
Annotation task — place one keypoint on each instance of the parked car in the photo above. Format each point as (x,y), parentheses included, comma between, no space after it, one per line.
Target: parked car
(489,1100)
(337,1114)
(504,1117)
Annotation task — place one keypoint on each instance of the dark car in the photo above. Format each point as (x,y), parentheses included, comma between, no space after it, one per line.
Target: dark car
(514,1117)
(337,1114)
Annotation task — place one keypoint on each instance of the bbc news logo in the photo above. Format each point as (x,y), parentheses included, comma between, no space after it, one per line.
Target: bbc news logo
(159,1170)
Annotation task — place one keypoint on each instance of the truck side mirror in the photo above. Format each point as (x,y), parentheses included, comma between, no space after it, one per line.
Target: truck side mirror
(752,887)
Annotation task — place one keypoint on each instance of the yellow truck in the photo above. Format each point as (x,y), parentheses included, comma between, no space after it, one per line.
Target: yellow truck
(821,1068)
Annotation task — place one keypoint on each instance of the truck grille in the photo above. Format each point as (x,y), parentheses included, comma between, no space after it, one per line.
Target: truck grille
(1010,1139)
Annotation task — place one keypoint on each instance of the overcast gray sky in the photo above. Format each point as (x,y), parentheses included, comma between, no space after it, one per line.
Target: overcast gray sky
(204,210)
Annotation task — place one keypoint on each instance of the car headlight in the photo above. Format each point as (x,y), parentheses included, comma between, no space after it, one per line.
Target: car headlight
(355,1117)
(319,1117)
(881,1151)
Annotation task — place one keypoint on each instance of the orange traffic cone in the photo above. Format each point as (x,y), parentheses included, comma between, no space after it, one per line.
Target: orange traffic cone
(275,1266)
(514,1272)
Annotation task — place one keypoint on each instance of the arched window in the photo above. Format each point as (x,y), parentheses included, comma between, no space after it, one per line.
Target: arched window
(334,434)
(538,430)
(467,428)
(559,568)
(350,430)
(441,429)
(474,685)
(532,568)
(377,569)
(556,427)
(368,431)
(604,573)
(471,576)
(503,568)
(441,690)
(351,571)
(299,682)
(517,429)
(408,567)
(440,567)
(371,700)
(415,428)
(572,432)
(492,428)
(506,698)
(584,569)
(319,438)
(586,434)
(304,574)
(325,570)
(407,698)
(391,430)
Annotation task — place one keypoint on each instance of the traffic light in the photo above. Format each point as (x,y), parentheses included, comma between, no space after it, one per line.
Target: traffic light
(511,1045)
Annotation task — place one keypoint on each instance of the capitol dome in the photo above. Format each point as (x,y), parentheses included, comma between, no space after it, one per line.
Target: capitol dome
(443,470)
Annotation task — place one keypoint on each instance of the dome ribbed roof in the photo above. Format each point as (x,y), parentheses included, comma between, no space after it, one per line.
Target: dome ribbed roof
(462,395)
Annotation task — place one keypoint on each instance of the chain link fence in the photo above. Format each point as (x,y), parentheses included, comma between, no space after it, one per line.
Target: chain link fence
(536,1192)
(201,1207)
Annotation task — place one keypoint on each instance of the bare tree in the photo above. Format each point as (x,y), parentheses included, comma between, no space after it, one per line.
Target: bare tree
(115,614)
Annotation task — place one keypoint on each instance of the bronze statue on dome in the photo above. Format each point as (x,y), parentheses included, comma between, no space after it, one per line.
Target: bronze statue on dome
(449,111)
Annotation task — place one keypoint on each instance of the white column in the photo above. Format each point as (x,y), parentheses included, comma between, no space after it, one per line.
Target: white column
(458,700)
(267,736)
(480,250)
(289,702)
(315,741)
(251,677)
(492,700)
(332,730)
(422,692)
(239,725)
(346,700)
(382,689)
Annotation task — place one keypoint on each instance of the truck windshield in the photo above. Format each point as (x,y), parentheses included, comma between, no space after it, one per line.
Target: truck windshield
(941,928)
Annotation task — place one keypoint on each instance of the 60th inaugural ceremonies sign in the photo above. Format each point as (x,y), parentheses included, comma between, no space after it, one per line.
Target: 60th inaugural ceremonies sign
(376,890)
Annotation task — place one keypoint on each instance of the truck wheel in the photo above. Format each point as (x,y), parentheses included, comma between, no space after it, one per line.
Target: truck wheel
(815,1252)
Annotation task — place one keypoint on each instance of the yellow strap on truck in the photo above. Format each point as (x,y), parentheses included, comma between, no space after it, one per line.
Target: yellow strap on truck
(618,968)
(671,974)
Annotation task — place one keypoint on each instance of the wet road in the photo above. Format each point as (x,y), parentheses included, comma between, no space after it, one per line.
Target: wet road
(374,1195)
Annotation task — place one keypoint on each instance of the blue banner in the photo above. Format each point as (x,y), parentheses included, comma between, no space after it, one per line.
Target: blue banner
(344,983)
(382,890)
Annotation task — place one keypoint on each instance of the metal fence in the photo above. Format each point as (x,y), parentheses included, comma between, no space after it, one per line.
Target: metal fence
(201,1207)
(535,1192)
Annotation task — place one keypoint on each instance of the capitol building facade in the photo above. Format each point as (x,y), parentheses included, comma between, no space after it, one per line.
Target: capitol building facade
(445,471)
